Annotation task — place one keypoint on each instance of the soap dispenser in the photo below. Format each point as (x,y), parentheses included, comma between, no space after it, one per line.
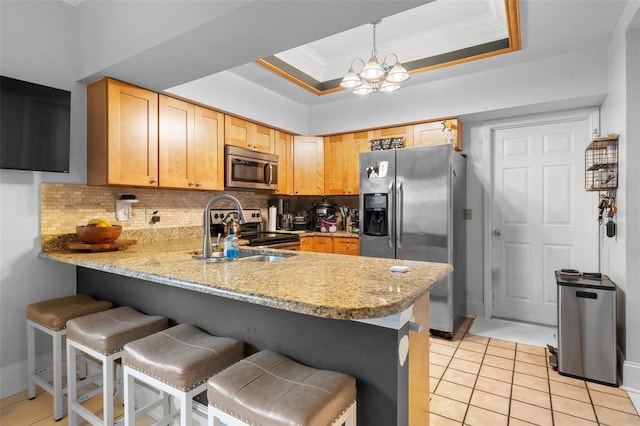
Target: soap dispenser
(231,250)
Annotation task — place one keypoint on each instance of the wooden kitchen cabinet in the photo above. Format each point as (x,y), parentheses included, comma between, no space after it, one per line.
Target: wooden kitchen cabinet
(209,149)
(323,244)
(283,148)
(122,134)
(308,165)
(435,133)
(190,146)
(331,245)
(350,246)
(341,154)
(176,143)
(405,132)
(246,134)
(306,243)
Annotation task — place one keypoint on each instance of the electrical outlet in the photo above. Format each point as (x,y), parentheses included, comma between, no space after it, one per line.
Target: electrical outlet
(152,215)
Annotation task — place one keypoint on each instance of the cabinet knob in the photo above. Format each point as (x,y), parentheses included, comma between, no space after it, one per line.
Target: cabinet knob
(153,180)
(199,184)
(191,183)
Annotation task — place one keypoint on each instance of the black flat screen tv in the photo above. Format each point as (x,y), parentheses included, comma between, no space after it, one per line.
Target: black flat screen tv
(34,126)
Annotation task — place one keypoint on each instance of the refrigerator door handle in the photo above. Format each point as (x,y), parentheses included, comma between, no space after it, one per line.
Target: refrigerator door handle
(399,215)
(391,228)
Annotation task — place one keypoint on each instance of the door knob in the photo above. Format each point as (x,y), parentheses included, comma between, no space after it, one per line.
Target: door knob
(497,233)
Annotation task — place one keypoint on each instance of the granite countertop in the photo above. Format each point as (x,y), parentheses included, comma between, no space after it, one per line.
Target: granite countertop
(317,284)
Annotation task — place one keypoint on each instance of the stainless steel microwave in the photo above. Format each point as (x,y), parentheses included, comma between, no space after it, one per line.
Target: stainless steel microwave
(247,169)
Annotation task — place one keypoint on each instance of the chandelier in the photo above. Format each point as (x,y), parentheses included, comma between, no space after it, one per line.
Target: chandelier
(375,76)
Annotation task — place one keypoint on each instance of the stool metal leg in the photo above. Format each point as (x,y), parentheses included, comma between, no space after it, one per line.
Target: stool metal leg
(107,390)
(186,413)
(31,359)
(58,411)
(72,388)
(129,399)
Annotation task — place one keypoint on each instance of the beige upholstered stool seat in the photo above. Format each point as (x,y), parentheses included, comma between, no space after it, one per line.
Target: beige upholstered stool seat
(103,335)
(55,313)
(177,361)
(182,356)
(50,317)
(108,331)
(268,388)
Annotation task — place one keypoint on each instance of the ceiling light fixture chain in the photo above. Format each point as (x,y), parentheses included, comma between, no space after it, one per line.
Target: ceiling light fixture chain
(375,76)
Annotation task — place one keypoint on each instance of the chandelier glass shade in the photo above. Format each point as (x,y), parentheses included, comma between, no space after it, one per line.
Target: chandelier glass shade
(375,76)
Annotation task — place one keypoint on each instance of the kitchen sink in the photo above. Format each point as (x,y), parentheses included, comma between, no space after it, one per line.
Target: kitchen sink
(262,258)
(249,256)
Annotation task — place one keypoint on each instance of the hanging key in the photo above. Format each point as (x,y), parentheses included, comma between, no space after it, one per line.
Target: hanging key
(602,207)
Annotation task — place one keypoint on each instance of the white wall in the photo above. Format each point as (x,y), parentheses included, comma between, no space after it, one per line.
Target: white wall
(235,95)
(574,80)
(620,112)
(37,45)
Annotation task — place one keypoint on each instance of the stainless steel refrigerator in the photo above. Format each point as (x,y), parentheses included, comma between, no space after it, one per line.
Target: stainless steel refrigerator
(412,206)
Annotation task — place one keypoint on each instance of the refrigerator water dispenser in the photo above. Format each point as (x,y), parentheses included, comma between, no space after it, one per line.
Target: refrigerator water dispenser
(375,214)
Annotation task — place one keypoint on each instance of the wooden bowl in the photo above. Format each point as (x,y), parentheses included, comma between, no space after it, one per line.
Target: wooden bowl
(98,234)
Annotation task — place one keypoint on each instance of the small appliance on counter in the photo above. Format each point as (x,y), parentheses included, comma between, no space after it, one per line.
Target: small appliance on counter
(321,210)
(301,220)
(284,219)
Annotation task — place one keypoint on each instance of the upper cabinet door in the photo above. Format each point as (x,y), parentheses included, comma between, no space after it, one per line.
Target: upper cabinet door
(283,148)
(342,156)
(122,134)
(176,143)
(308,165)
(337,150)
(245,134)
(359,143)
(438,132)
(262,138)
(209,149)
(405,132)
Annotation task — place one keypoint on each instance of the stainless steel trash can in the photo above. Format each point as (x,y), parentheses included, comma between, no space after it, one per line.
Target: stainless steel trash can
(587,327)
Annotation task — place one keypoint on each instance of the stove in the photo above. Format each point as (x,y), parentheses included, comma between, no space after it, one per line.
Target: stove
(252,230)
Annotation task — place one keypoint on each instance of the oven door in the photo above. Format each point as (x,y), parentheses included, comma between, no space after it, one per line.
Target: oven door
(250,169)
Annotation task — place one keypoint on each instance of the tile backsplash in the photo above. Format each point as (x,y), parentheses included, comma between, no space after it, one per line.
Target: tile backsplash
(65,206)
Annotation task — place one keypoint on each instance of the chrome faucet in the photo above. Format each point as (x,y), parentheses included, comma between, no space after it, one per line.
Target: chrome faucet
(207,252)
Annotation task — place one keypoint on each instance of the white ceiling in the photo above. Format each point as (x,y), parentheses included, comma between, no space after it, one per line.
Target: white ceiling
(325,35)
(438,27)
(548,28)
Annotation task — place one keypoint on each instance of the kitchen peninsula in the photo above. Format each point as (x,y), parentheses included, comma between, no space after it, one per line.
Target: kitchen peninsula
(338,312)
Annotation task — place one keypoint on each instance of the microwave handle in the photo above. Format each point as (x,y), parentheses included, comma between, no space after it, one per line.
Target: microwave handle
(270,178)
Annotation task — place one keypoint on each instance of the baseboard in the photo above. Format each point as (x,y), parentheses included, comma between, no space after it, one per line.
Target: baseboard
(475,309)
(631,376)
(13,379)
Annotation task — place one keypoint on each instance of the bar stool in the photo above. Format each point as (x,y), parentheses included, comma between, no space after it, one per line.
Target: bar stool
(102,335)
(176,362)
(269,388)
(50,317)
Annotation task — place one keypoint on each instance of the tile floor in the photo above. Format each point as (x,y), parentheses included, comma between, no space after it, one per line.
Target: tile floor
(480,381)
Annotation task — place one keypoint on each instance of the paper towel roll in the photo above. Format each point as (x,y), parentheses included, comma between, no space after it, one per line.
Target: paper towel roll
(273,213)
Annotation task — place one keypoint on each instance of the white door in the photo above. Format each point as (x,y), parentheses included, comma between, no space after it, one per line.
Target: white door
(543,219)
